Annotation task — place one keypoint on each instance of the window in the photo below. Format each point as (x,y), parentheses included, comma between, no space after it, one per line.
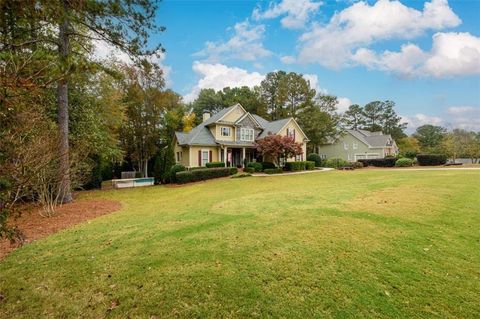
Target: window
(355,145)
(291,133)
(349,157)
(246,134)
(323,156)
(179,156)
(299,158)
(225,131)
(204,157)
(345,145)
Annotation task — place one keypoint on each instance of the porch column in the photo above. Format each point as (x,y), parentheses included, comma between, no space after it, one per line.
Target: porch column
(225,155)
(243,157)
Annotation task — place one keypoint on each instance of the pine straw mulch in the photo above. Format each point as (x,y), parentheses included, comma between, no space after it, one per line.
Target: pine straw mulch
(33,226)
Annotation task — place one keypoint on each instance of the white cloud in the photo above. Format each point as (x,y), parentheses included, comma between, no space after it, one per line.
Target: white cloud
(458,110)
(361,25)
(288,59)
(452,54)
(217,76)
(246,44)
(464,117)
(105,51)
(296,13)
(420,119)
(343,104)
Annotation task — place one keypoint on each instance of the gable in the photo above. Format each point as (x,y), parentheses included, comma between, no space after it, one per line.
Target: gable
(233,115)
(292,124)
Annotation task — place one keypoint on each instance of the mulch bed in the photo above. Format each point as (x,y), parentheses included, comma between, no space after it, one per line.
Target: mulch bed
(33,226)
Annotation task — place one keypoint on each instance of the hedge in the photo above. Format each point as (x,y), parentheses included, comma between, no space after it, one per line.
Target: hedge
(256,166)
(336,163)
(309,165)
(268,165)
(273,171)
(295,166)
(315,158)
(204,174)
(249,170)
(431,159)
(379,162)
(215,164)
(174,170)
(404,162)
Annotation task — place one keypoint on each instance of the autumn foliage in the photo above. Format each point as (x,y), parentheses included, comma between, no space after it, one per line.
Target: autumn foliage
(279,147)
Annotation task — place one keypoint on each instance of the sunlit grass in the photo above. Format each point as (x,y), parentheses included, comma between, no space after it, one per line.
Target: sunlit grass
(386,244)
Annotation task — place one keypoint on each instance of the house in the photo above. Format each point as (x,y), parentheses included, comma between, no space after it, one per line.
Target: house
(359,144)
(229,136)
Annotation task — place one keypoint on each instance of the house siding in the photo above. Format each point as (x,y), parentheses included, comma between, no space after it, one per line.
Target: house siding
(193,160)
(299,138)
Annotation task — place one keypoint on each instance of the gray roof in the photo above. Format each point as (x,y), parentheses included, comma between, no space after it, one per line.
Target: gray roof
(372,139)
(201,134)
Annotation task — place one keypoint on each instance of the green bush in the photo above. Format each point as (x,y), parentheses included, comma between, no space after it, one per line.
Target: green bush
(357,164)
(215,164)
(309,165)
(314,157)
(336,163)
(404,162)
(295,166)
(174,170)
(273,171)
(256,166)
(268,165)
(431,159)
(241,175)
(204,174)
(410,154)
(138,174)
(379,162)
(249,170)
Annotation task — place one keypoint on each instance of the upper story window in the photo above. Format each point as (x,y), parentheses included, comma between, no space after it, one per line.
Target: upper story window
(355,145)
(291,132)
(225,131)
(246,134)
(345,145)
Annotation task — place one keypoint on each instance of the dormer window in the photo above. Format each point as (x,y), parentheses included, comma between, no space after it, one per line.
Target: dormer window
(246,134)
(225,131)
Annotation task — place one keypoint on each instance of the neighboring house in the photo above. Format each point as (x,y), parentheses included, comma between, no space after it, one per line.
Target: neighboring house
(359,144)
(229,136)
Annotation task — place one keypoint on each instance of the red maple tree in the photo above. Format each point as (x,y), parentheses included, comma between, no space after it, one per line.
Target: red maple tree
(278,147)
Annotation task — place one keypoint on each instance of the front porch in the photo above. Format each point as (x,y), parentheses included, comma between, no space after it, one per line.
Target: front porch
(234,156)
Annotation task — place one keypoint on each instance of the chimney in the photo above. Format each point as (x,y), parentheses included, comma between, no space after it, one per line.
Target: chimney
(206,116)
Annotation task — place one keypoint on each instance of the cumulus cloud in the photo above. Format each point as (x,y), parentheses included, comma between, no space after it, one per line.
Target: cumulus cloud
(343,104)
(452,54)
(245,44)
(104,51)
(287,59)
(217,76)
(420,119)
(463,117)
(296,13)
(361,25)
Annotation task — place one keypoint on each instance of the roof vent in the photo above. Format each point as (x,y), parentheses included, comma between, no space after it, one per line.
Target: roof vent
(206,116)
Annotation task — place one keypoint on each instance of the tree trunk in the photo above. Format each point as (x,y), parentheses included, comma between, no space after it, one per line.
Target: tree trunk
(62,104)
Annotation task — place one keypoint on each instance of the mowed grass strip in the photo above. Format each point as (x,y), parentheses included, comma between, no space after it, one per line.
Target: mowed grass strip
(362,244)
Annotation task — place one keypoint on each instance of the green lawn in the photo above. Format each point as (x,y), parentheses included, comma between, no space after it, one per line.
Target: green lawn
(362,244)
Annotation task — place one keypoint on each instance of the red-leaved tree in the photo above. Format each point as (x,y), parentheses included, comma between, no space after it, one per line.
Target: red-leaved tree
(278,147)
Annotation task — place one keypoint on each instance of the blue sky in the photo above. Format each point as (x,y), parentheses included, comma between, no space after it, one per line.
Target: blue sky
(424,55)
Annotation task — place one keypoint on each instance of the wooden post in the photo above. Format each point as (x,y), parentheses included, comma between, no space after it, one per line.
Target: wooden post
(243,157)
(225,156)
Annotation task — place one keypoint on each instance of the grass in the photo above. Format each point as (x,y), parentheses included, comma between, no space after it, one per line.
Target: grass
(362,244)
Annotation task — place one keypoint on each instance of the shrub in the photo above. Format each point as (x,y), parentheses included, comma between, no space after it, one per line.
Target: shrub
(410,154)
(309,165)
(215,164)
(138,174)
(241,175)
(314,157)
(404,162)
(357,164)
(431,159)
(273,171)
(268,165)
(256,166)
(174,170)
(336,163)
(295,166)
(379,162)
(204,174)
(249,170)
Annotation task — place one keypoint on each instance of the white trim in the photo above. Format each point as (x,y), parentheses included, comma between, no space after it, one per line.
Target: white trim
(202,158)
(292,119)
(365,155)
(243,134)
(233,108)
(226,127)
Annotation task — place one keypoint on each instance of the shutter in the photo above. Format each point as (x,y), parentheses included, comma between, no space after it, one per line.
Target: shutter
(210,157)
(293,134)
(200,158)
